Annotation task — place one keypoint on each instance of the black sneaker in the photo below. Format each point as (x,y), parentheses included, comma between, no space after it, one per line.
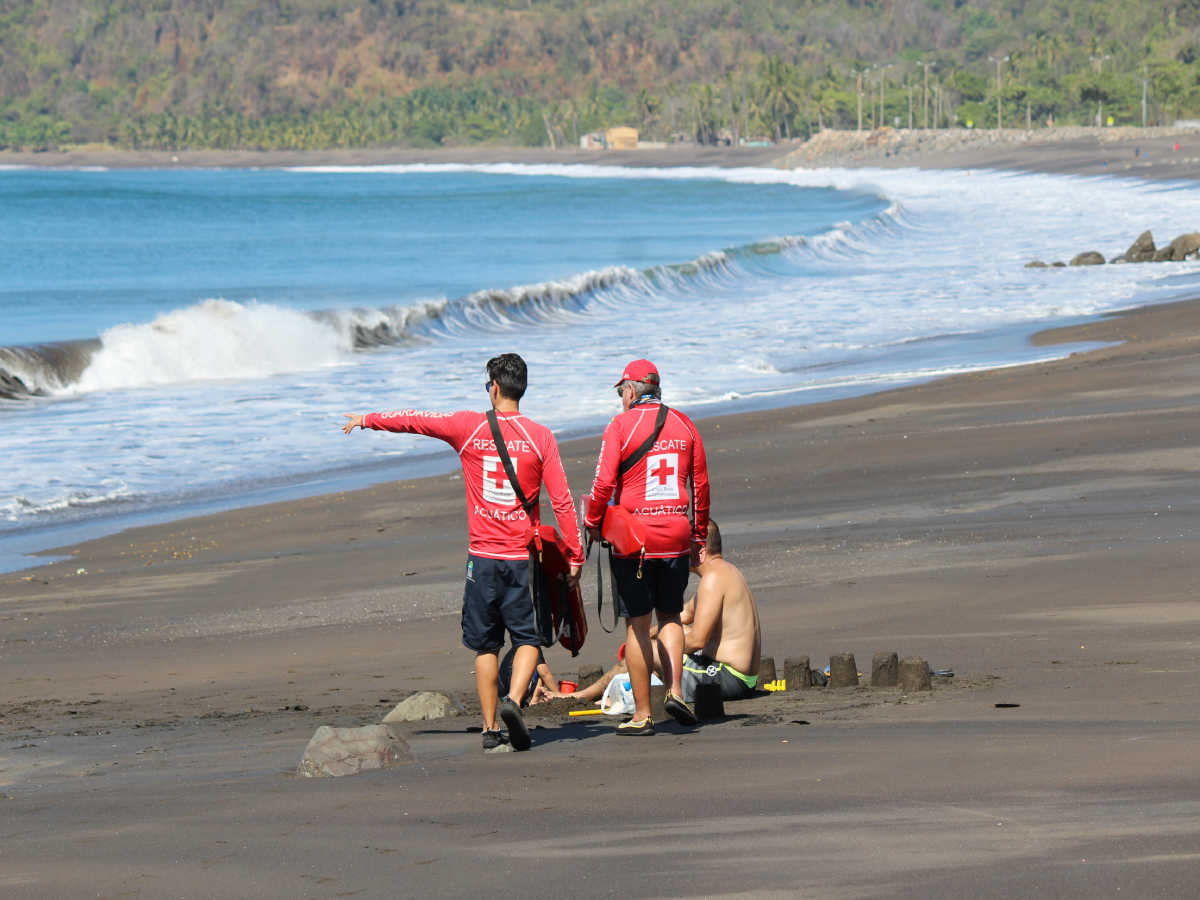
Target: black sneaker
(518,734)
(495,742)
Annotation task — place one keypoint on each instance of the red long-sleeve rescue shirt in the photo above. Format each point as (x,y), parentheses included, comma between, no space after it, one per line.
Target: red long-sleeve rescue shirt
(656,489)
(496,523)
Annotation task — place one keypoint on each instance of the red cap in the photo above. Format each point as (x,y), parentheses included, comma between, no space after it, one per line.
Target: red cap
(639,370)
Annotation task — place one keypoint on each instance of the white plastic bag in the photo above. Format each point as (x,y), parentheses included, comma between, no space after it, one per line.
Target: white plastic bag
(618,696)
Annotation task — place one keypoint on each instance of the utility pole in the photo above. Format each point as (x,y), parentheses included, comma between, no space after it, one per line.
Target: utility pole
(882,85)
(1098,63)
(999,61)
(1143,96)
(859,72)
(925,95)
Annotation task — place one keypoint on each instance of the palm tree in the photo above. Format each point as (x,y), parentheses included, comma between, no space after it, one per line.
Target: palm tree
(779,93)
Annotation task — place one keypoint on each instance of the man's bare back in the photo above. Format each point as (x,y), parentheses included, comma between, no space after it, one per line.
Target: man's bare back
(721,620)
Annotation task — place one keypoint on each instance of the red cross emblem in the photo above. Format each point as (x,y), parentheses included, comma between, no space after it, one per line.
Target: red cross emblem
(499,476)
(496,486)
(663,471)
(662,476)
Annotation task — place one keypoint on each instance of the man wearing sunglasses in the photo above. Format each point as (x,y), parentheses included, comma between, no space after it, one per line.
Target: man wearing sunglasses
(652,463)
(497,597)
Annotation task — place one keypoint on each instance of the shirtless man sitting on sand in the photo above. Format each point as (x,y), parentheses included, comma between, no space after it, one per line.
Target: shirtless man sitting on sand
(721,632)
(722,637)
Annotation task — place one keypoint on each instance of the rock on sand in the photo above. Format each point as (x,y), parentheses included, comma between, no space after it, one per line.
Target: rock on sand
(424,705)
(333,752)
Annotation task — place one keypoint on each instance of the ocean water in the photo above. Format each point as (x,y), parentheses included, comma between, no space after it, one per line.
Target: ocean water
(172,341)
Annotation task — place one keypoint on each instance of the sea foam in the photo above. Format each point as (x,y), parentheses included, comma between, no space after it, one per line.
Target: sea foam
(213,339)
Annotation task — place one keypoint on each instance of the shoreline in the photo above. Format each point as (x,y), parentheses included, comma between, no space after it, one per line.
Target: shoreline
(430,468)
(432,464)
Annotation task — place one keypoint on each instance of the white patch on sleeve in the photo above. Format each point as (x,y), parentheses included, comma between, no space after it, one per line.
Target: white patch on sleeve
(662,476)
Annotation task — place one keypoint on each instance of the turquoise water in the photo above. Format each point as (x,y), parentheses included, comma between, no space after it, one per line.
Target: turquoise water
(84,251)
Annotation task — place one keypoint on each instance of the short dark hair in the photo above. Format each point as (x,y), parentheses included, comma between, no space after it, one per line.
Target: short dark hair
(713,543)
(509,372)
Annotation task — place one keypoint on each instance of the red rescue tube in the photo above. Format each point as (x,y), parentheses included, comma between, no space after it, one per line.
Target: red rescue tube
(623,532)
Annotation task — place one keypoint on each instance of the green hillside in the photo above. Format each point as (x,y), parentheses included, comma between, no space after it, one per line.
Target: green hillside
(177,74)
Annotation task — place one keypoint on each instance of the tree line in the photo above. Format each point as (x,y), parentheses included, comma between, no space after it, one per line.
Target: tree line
(309,74)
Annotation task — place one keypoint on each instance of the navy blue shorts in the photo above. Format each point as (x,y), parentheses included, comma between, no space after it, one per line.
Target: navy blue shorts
(661,587)
(496,598)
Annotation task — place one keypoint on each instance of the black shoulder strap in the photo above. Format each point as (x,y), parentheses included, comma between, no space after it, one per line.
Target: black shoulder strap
(507,463)
(600,593)
(627,464)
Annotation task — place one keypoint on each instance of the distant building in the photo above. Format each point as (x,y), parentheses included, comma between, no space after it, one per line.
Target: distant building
(621,138)
(593,140)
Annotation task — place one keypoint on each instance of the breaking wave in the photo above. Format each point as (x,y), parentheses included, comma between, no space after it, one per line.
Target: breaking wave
(223,339)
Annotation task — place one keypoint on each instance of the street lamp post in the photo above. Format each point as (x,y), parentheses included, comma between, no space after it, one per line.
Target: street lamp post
(999,61)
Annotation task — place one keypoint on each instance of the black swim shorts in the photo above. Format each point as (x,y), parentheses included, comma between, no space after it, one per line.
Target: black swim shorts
(699,669)
(660,588)
(495,598)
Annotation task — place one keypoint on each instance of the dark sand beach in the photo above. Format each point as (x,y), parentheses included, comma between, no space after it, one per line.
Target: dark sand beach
(1033,529)
(1154,153)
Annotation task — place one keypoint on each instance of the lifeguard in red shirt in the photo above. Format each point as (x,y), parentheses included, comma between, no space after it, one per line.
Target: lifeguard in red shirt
(667,490)
(497,597)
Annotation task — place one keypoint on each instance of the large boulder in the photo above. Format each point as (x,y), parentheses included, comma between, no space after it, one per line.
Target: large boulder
(1141,250)
(1088,258)
(333,752)
(1035,264)
(424,705)
(1183,247)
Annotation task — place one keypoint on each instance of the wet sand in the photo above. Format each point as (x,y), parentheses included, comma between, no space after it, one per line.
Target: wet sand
(1034,529)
